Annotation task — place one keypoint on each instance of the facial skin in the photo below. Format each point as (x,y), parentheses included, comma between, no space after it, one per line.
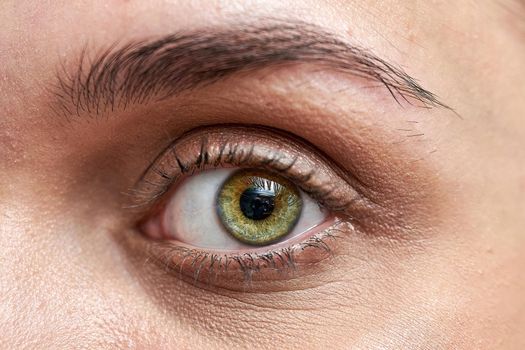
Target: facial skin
(440,266)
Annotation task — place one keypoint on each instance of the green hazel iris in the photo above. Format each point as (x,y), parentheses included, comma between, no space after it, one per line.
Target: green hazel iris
(258,207)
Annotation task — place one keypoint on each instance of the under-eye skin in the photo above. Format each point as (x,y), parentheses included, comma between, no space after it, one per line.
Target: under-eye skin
(216,240)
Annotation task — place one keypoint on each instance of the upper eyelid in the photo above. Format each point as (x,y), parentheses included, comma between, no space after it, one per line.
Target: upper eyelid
(139,72)
(158,179)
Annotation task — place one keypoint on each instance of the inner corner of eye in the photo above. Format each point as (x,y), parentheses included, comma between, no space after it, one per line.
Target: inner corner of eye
(237,209)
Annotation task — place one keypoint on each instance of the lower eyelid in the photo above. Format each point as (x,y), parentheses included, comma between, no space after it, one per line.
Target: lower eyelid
(244,270)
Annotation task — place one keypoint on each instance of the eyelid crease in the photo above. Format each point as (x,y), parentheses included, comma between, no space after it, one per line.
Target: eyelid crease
(248,147)
(144,71)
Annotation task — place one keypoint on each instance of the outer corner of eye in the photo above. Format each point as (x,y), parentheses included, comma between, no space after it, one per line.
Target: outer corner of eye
(235,210)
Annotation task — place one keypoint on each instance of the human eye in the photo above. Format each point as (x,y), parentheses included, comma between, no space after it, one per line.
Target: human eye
(238,209)
(237,204)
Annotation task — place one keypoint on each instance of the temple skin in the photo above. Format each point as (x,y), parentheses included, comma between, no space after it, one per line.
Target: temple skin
(439,265)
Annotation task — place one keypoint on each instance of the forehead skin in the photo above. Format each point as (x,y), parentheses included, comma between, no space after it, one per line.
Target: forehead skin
(65,286)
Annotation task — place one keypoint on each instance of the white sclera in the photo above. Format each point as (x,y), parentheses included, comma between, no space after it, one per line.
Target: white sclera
(191,215)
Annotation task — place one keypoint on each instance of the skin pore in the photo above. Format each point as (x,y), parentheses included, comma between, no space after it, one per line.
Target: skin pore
(434,260)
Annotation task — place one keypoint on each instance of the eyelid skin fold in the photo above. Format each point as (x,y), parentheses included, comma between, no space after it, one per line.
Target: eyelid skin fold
(261,148)
(247,147)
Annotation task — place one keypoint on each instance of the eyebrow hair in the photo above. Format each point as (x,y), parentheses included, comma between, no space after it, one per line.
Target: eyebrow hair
(144,71)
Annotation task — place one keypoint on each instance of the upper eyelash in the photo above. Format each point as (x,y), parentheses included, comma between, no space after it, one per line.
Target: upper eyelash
(232,158)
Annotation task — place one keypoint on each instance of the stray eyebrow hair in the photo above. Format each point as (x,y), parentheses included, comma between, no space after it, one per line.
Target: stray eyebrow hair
(144,71)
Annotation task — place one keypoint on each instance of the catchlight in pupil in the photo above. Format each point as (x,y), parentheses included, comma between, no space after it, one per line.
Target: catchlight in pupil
(257,204)
(258,207)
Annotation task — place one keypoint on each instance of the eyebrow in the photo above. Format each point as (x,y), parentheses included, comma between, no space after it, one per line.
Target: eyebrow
(143,71)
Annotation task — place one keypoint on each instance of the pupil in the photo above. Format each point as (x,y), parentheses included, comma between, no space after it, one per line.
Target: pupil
(257,204)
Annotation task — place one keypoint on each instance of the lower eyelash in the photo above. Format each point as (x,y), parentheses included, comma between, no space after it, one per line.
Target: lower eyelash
(198,266)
